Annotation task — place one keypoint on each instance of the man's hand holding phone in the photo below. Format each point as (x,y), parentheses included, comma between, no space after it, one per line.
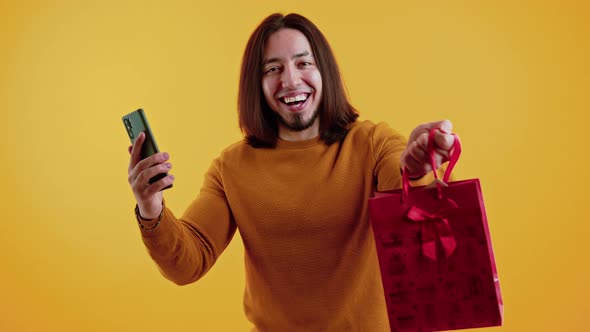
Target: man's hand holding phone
(148,195)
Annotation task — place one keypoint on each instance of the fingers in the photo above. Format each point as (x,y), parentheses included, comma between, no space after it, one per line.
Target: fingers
(443,138)
(149,173)
(445,125)
(414,167)
(444,141)
(155,160)
(141,185)
(416,157)
(146,189)
(163,183)
(418,160)
(418,149)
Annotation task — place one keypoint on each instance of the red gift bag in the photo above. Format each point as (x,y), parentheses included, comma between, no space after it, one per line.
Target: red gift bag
(435,254)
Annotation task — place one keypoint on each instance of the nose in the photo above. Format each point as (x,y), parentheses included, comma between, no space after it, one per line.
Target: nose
(290,77)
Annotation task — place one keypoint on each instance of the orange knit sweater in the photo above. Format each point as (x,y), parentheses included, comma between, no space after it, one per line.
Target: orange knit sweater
(301,210)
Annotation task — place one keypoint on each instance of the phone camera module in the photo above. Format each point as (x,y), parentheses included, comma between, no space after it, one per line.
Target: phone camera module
(128,127)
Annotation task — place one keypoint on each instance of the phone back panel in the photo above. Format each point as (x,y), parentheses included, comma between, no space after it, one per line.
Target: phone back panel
(136,122)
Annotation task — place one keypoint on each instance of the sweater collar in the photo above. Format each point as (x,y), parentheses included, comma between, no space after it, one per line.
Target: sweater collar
(282,144)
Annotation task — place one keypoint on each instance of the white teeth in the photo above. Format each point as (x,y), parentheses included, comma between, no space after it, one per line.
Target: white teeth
(300,97)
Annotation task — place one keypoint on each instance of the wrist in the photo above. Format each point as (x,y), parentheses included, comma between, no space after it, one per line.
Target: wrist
(149,212)
(145,223)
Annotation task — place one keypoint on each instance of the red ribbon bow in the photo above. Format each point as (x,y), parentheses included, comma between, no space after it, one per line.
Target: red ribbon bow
(434,226)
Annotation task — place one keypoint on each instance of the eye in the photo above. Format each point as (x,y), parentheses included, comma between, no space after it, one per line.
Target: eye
(271,70)
(305,64)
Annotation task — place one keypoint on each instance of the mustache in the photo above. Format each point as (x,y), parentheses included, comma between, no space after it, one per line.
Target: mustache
(285,92)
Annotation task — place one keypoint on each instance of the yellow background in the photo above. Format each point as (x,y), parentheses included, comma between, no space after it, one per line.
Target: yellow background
(513,76)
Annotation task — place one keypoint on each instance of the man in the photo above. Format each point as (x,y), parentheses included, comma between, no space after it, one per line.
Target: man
(296,188)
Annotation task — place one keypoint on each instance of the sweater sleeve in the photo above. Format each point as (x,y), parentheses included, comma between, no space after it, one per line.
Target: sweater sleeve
(387,146)
(185,249)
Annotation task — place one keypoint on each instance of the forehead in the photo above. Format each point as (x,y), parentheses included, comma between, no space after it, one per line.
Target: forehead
(285,43)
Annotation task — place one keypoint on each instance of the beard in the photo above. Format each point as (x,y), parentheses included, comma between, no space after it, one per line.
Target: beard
(296,122)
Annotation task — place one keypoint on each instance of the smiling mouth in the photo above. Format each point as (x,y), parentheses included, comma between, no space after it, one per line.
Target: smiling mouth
(294,101)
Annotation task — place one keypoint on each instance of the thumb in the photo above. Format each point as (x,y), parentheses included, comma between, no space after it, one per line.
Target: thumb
(443,139)
(445,125)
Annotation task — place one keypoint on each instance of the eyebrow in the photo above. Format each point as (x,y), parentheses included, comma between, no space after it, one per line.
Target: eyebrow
(298,55)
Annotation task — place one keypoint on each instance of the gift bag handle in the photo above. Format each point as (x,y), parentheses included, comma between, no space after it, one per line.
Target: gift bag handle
(454,154)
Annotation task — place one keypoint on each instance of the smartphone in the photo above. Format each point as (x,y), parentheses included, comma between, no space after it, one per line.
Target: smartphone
(136,122)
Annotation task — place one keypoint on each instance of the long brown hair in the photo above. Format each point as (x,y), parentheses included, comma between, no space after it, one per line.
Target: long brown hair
(257,121)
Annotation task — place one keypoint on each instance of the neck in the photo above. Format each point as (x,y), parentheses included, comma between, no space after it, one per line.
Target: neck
(289,135)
